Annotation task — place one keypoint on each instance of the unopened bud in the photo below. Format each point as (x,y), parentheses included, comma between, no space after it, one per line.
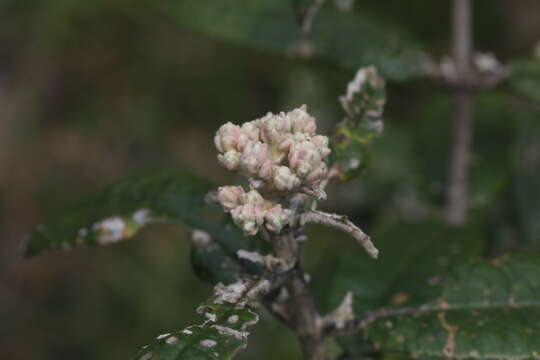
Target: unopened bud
(274,127)
(230,196)
(321,142)
(276,218)
(248,218)
(318,174)
(227,137)
(304,158)
(284,179)
(253,197)
(249,132)
(254,156)
(265,172)
(301,121)
(231,159)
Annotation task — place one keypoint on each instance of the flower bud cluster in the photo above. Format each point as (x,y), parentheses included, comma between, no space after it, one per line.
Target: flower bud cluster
(280,154)
(250,210)
(280,151)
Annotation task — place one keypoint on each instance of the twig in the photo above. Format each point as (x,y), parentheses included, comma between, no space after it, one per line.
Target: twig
(309,16)
(341,223)
(457,188)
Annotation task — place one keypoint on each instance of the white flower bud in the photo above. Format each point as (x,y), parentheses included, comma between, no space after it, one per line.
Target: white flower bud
(265,172)
(304,157)
(274,127)
(249,132)
(248,217)
(317,174)
(253,197)
(321,142)
(227,137)
(254,156)
(284,179)
(230,196)
(276,218)
(231,159)
(301,121)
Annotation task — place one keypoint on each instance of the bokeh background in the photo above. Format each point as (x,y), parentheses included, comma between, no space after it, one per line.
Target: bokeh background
(93,91)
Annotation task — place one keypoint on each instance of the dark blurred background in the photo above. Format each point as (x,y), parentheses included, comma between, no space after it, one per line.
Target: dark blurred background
(91,91)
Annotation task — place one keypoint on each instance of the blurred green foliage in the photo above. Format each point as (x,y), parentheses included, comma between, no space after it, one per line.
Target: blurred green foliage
(91,91)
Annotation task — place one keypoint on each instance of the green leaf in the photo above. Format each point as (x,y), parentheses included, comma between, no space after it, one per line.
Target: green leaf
(487,310)
(413,258)
(221,336)
(347,39)
(524,78)
(119,211)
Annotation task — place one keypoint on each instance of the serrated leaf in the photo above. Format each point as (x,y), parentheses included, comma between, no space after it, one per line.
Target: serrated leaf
(413,258)
(524,78)
(221,336)
(346,39)
(120,210)
(487,310)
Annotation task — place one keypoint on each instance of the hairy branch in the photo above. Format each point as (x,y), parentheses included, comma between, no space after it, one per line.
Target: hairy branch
(341,223)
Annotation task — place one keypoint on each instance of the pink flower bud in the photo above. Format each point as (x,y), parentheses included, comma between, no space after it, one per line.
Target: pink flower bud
(251,130)
(253,197)
(248,217)
(274,127)
(227,136)
(248,133)
(230,196)
(276,218)
(304,158)
(301,121)
(265,172)
(321,142)
(253,157)
(231,159)
(284,179)
(318,174)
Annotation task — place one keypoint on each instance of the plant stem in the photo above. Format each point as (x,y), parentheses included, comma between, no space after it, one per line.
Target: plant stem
(457,188)
(303,316)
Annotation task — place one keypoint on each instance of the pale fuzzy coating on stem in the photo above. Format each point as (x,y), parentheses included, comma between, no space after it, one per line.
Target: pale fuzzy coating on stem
(341,223)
